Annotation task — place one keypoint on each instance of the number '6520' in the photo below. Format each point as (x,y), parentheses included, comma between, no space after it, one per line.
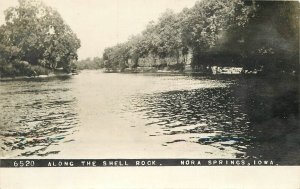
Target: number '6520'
(23,163)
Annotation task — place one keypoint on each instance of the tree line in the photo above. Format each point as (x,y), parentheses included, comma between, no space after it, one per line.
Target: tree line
(35,40)
(256,35)
(90,64)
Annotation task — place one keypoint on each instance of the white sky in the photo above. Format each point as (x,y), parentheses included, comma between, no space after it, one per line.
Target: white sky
(103,23)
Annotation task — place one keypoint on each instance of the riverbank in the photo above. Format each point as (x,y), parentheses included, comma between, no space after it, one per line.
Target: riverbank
(214,70)
(36,77)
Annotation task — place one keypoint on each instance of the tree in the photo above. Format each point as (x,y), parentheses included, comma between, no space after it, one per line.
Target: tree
(206,26)
(90,64)
(169,35)
(257,35)
(41,36)
(272,38)
(117,57)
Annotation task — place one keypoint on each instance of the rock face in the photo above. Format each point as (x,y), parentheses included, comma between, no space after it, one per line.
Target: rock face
(168,62)
(188,62)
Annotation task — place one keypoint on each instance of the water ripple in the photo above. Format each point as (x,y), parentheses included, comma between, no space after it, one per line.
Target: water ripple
(37,116)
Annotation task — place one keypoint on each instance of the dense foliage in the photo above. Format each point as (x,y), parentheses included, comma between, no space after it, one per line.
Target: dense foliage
(35,40)
(255,35)
(90,64)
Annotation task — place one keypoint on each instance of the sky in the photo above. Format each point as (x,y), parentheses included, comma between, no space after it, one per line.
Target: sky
(104,23)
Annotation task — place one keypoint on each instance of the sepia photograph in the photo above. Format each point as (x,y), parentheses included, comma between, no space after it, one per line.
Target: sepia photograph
(147,83)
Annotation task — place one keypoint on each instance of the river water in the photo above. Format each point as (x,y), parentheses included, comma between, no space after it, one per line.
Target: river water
(111,115)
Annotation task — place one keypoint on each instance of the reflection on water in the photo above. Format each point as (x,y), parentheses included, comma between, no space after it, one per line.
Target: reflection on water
(35,115)
(258,118)
(273,109)
(214,115)
(152,115)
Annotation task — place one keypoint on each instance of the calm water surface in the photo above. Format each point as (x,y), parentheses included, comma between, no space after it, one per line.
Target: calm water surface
(97,115)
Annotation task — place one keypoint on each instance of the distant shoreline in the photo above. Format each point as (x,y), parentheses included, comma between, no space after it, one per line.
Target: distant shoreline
(36,77)
(214,71)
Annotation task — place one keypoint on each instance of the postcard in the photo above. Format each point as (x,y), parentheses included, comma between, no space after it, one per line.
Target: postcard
(149,94)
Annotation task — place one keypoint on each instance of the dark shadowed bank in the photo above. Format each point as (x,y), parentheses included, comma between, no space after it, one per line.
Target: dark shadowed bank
(272,105)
